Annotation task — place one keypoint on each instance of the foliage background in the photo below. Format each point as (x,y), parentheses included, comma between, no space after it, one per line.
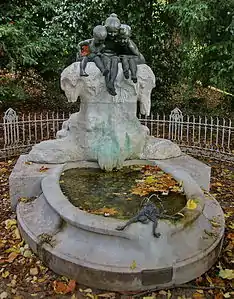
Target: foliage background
(184,41)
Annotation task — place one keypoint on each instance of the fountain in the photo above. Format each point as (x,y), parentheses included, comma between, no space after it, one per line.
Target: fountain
(105,137)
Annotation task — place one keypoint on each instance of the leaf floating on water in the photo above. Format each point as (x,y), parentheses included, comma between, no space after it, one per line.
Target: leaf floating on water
(103,211)
(191,204)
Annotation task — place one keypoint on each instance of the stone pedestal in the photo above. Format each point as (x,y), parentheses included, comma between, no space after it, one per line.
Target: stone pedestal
(106,128)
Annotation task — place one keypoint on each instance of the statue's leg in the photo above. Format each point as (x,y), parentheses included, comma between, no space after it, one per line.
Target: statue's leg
(107,64)
(83,65)
(112,76)
(97,60)
(125,66)
(155,224)
(133,69)
(132,220)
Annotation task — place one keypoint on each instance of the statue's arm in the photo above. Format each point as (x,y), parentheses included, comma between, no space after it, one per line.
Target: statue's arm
(83,43)
(133,48)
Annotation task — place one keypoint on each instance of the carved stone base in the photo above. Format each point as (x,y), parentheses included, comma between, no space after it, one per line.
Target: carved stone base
(87,247)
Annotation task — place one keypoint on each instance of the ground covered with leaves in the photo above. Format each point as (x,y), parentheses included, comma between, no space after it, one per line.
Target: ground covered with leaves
(22,275)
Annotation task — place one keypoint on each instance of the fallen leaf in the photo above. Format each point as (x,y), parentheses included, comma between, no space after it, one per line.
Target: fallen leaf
(43,169)
(231,225)
(88,290)
(107,295)
(133,265)
(10,222)
(214,223)
(63,288)
(28,163)
(226,274)
(191,204)
(200,291)
(17,234)
(13,249)
(3,295)
(71,286)
(5,274)
(209,279)
(198,295)
(162,292)
(34,271)
(218,296)
(59,287)
(12,256)
(103,211)
(227,295)
(27,253)
(91,296)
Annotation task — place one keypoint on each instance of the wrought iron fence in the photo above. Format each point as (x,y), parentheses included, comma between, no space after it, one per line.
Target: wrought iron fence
(200,136)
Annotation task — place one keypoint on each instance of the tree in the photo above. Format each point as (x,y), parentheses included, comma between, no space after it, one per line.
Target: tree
(206,29)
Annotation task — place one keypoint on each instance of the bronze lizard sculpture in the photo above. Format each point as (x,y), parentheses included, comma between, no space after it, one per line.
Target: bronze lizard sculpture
(149,212)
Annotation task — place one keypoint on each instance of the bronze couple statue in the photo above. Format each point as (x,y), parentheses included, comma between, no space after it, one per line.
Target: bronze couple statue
(110,45)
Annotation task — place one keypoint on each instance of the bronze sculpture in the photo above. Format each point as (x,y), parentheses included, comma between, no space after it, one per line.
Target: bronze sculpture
(110,45)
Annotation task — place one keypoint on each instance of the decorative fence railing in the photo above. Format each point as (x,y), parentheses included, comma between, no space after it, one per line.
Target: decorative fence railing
(200,136)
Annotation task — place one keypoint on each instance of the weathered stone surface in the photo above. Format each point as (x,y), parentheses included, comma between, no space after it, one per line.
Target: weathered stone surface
(199,171)
(158,148)
(106,128)
(107,226)
(25,180)
(104,261)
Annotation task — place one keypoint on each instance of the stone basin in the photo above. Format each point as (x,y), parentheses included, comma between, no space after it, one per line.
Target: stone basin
(89,249)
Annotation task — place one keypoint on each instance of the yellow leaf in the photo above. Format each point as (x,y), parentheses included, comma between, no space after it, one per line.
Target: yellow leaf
(10,222)
(133,265)
(209,279)
(17,234)
(150,179)
(13,249)
(231,225)
(169,294)
(28,163)
(24,199)
(226,274)
(107,295)
(5,274)
(191,204)
(200,291)
(162,292)
(227,295)
(88,290)
(149,297)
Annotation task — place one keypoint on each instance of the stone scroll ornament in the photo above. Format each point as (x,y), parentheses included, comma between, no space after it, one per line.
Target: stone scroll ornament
(110,77)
